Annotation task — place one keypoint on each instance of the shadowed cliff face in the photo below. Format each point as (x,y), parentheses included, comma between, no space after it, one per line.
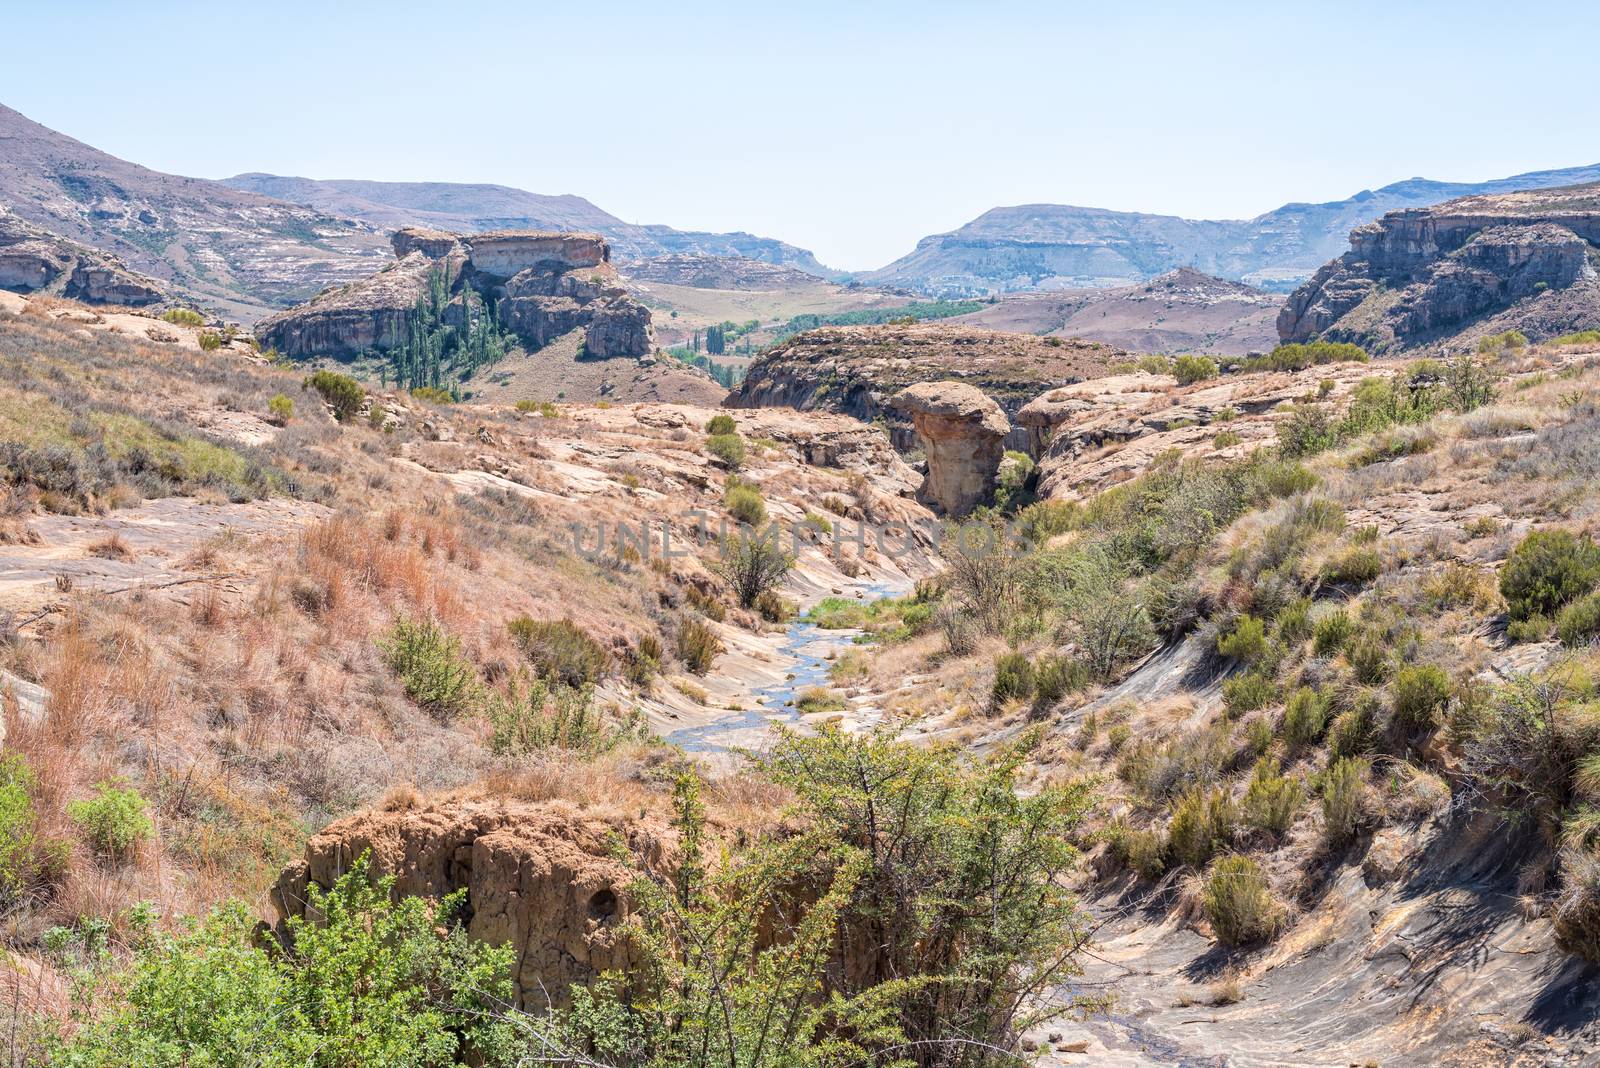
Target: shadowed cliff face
(541,284)
(35,260)
(1423,274)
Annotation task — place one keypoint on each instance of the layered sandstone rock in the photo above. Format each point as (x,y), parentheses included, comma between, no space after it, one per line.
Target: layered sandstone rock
(856,370)
(1425,273)
(539,877)
(542,285)
(34,260)
(963,435)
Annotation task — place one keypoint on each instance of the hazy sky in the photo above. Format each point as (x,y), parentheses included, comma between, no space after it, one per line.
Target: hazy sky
(851,129)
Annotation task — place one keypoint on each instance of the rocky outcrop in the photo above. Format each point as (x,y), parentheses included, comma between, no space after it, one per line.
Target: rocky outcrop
(542,285)
(540,878)
(856,370)
(717,272)
(35,260)
(963,435)
(1426,273)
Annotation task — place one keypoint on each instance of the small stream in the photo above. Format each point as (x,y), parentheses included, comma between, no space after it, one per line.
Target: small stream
(813,650)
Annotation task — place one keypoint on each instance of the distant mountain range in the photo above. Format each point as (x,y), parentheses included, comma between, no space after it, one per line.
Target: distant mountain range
(1056,246)
(465,208)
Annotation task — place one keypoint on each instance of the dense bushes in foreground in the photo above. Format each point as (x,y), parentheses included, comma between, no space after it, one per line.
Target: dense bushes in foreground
(945,884)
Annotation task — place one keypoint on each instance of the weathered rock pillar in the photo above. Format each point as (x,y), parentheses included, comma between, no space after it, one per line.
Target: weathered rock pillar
(963,434)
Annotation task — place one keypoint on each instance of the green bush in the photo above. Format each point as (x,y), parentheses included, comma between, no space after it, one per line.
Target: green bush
(1301,355)
(1548,569)
(1344,799)
(721,423)
(774,608)
(343,393)
(698,645)
(1239,902)
(1304,717)
(1535,628)
(1247,641)
(560,650)
(1369,658)
(28,861)
(1055,677)
(533,716)
(183,317)
(115,819)
(1013,678)
(1420,693)
(430,665)
(1293,621)
(433,394)
(752,565)
(380,979)
(744,503)
(727,448)
(1248,692)
(1202,822)
(1272,799)
(1351,731)
(1143,851)
(1579,622)
(1331,632)
(281,409)
(210,341)
(1191,369)
(1356,566)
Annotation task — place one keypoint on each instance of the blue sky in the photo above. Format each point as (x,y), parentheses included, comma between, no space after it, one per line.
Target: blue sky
(851,129)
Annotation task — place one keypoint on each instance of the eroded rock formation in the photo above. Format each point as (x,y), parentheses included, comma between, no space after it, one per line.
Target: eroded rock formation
(33,260)
(539,877)
(542,285)
(963,435)
(1424,273)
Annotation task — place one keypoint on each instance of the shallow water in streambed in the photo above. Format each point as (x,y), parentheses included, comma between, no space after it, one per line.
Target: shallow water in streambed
(814,651)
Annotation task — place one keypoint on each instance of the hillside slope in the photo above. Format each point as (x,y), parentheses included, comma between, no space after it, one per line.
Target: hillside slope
(465,207)
(1180,311)
(1055,246)
(239,252)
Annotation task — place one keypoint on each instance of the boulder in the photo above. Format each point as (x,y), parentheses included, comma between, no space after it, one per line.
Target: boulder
(963,435)
(507,253)
(539,877)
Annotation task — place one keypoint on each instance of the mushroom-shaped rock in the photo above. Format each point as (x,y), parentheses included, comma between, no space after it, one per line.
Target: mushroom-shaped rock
(963,434)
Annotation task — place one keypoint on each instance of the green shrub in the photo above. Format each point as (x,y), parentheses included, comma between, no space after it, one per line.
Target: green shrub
(1301,355)
(1579,622)
(698,645)
(727,448)
(28,861)
(1293,621)
(1258,735)
(1304,717)
(1548,569)
(1420,693)
(1351,732)
(775,608)
(430,665)
(343,393)
(815,699)
(1202,822)
(1272,799)
(210,341)
(183,317)
(1152,363)
(1143,851)
(115,819)
(1247,641)
(379,979)
(1369,658)
(1226,439)
(1533,629)
(544,408)
(1055,677)
(1356,566)
(752,565)
(281,409)
(1344,799)
(536,715)
(1013,678)
(1191,369)
(1238,902)
(721,423)
(1575,917)
(1248,692)
(560,650)
(1011,479)
(1331,632)
(433,394)
(744,503)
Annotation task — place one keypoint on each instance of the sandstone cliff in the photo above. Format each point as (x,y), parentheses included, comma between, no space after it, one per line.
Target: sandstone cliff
(856,370)
(1428,274)
(542,285)
(35,260)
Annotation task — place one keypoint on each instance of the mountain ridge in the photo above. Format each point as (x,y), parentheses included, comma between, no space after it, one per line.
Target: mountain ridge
(1025,247)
